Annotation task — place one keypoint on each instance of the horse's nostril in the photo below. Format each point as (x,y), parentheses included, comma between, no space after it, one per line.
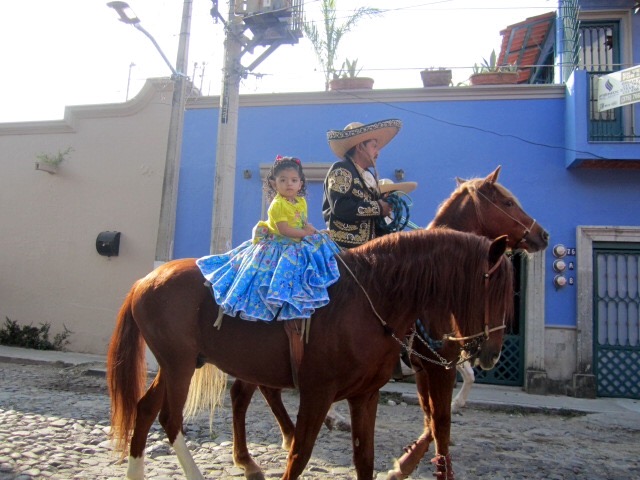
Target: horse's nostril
(545,235)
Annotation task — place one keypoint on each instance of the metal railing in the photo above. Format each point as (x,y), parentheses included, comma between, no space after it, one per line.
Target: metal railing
(615,125)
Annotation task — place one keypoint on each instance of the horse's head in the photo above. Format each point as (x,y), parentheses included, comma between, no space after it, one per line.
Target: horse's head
(485,207)
(482,334)
(498,303)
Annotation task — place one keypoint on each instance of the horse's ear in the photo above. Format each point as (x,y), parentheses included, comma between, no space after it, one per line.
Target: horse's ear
(493,176)
(497,249)
(459,181)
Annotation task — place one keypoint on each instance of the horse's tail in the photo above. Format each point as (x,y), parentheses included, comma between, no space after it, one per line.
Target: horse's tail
(126,374)
(206,391)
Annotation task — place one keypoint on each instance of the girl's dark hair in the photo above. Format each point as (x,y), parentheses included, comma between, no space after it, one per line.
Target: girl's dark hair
(280,164)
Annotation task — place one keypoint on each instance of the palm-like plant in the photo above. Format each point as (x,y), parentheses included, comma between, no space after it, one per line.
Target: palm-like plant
(325,37)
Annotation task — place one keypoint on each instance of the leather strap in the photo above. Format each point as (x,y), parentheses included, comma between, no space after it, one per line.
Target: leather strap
(296,346)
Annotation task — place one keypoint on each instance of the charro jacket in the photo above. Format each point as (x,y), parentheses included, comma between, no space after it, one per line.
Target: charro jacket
(349,207)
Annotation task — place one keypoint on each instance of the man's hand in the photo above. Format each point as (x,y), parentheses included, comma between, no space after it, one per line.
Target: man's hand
(385,208)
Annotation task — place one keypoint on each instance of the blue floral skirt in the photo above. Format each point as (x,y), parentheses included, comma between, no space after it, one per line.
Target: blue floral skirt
(275,277)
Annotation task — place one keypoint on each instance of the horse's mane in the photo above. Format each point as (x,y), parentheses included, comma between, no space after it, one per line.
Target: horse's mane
(438,261)
(464,187)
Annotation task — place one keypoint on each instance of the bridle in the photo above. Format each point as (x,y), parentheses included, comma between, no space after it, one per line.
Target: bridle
(474,342)
(473,192)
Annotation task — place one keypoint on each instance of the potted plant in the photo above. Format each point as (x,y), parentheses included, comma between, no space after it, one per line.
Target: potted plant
(326,33)
(50,163)
(347,78)
(489,73)
(436,77)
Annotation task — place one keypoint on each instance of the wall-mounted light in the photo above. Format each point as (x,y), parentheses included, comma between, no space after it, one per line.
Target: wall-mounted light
(559,281)
(399,173)
(108,244)
(559,250)
(247,174)
(559,265)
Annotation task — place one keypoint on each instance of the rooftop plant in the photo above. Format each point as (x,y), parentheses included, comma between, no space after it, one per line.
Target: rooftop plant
(491,66)
(326,34)
(349,69)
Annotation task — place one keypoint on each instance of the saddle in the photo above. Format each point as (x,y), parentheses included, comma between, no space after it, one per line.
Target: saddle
(295,330)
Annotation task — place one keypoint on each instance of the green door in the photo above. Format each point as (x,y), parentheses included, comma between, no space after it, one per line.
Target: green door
(616,303)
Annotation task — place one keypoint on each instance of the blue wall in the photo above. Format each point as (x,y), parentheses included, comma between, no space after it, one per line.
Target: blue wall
(440,140)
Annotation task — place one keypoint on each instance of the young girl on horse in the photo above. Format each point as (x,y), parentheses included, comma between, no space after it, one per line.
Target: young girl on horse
(283,272)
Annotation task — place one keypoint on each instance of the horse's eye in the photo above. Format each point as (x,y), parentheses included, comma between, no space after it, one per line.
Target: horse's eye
(509,203)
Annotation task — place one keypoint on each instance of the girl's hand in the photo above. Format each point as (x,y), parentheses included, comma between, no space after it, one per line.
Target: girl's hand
(309,229)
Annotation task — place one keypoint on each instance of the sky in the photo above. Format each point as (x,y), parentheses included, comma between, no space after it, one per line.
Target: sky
(76,52)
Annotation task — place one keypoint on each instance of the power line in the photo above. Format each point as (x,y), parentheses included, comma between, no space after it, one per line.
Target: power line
(473,127)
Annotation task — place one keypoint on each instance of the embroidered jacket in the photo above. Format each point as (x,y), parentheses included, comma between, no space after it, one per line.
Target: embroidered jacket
(350,208)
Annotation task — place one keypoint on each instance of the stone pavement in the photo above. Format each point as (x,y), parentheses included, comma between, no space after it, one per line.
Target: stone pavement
(54,420)
(486,396)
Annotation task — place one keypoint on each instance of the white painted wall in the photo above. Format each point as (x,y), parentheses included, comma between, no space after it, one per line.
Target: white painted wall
(50,270)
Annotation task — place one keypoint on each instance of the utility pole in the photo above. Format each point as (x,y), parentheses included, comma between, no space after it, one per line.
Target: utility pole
(224,182)
(269,30)
(169,202)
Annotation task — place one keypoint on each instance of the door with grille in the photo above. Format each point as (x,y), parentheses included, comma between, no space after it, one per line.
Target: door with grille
(510,368)
(616,303)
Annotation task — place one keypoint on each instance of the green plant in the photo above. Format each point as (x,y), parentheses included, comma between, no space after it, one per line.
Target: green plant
(326,38)
(349,69)
(55,160)
(28,336)
(491,66)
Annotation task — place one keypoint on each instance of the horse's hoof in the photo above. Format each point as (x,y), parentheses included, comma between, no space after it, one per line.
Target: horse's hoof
(456,407)
(254,476)
(329,423)
(343,426)
(444,468)
(393,475)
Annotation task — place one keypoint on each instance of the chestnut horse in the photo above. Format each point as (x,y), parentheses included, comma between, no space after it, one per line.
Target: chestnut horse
(354,342)
(481,206)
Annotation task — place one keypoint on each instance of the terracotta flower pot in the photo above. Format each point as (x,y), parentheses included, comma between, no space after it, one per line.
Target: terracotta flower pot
(355,83)
(46,167)
(494,78)
(436,78)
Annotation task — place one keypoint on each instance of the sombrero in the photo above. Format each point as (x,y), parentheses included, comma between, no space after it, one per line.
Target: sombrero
(341,141)
(387,185)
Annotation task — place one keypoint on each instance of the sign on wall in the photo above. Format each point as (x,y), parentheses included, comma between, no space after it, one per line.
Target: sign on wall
(619,88)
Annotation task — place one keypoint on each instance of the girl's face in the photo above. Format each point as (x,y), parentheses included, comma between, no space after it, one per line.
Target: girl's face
(288,183)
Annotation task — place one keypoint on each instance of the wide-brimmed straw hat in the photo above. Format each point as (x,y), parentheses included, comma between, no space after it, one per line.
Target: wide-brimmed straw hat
(341,141)
(387,185)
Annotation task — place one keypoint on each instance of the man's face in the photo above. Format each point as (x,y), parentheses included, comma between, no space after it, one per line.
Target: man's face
(370,150)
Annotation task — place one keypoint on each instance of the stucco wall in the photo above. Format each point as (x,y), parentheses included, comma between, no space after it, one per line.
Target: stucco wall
(112,180)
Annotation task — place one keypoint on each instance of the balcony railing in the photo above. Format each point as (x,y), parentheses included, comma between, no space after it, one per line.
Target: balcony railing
(615,125)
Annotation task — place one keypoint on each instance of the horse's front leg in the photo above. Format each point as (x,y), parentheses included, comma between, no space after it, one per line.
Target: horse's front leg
(273,396)
(314,405)
(363,423)
(408,462)
(440,393)
(468,377)
(241,394)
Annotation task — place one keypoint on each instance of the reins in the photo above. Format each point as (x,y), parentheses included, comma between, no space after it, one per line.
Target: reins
(487,330)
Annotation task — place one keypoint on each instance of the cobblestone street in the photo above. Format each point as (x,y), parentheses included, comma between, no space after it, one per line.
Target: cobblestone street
(54,423)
